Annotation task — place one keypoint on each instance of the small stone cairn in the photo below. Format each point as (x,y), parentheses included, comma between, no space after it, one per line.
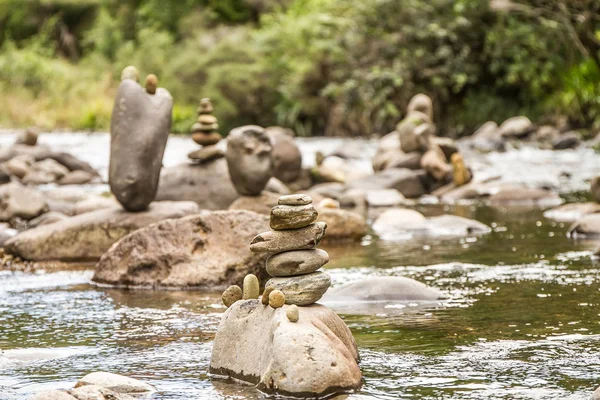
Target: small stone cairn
(294,260)
(204,132)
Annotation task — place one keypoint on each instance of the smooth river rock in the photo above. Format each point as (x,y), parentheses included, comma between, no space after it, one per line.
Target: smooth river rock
(297,262)
(115,382)
(406,181)
(139,129)
(17,200)
(261,204)
(287,158)
(292,217)
(249,159)
(303,289)
(208,250)
(298,239)
(312,357)
(384,288)
(295,200)
(87,236)
(207,184)
(588,225)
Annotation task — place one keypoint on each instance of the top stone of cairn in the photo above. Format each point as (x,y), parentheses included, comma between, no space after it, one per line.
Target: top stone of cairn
(295,200)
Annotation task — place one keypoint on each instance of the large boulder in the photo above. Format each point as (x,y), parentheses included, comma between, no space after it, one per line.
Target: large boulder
(406,181)
(19,201)
(249,159)
(208,250)
(207,184)
(314,356)
(140,127)
(287,158)
(87,236)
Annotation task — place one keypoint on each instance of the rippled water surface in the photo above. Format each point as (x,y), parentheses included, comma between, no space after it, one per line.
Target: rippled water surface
(522,318)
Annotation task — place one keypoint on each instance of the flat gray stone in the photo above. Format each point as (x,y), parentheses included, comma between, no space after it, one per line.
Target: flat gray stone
(115,382)
(292,217)
(302,290)
(206,153)
(298,262)
(298,239)
(295,200)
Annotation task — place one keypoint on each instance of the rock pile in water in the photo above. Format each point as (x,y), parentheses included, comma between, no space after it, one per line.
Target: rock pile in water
(204,132)
(294,259)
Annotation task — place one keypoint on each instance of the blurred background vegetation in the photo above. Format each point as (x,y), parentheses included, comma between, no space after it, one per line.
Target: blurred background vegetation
(320,67)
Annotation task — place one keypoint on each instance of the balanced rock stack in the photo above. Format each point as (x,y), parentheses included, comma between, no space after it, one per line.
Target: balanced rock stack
(204,132)
(294,260)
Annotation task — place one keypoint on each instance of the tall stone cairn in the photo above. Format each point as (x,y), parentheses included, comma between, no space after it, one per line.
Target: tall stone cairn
(294,260)
(204,132)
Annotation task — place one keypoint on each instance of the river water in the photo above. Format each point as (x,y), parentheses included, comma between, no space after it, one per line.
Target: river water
(522,320)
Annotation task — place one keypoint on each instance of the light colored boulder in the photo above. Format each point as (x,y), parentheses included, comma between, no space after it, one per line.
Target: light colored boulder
(383,288)
(116,383)
(17,200)
(53,395)
(343,224)
(46,218)
(93,392)
(19,166)
(384,198)
(516,127)
(87,236)
(398,219)
(207,250)
(314,356)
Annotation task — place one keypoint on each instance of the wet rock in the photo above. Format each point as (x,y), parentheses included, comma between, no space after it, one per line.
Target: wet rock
(208,250)
(292,217)
(296,262)
(87,236)
(287,159)
(295,200)
(17,200)
(302,290)
(384,198)
(249,159)
(207,184)
(516,127)
(140,128)
(115,382)
(406,181)
(391,288)
(261,204)
(273,242)
(279,356)
(588,225)
(343,224)
(568,140)
(78,177)
(29,136)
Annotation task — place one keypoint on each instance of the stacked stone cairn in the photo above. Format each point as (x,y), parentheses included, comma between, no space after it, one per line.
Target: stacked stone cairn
(204,132)
(293,260)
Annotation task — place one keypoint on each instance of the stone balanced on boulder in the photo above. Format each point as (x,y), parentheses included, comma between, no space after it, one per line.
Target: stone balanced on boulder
(204,132)
(303,351)
(140,125)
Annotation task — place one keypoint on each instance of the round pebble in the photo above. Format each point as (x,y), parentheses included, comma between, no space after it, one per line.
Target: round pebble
(231,295)
(251,287)
(293,313)
(151,83)
(276,299)
(265,296)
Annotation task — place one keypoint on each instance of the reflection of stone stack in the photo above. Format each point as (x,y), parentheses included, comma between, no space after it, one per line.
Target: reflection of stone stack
(294,260)
(204,132)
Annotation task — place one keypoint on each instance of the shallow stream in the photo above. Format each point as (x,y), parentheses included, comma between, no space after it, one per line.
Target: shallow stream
(522,320)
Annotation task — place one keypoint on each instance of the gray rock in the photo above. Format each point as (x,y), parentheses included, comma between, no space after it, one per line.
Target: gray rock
(87,236)
(261,204)
(37,177)
(208,250)
(390,288)
(46,218)
(568,140)
(249,159)
(343,225)
(487,138)
(516,127)
(207,184)
(395,221)
(315,356)
(276,186)
(273,242)
(546,133)
(388,149)
(301,290)
(19,166)
(447,145)
(406,181)
(93,203)
(116,383)
(332,190)
(384,198)
(414,131)
(297,262)
(287,159)
(292,217)
(295,200)
(53,395)
(410,160)
(93,392)
(6,232)
(51,167)
(77,177)
(17,200)
(206,153)
(139,129)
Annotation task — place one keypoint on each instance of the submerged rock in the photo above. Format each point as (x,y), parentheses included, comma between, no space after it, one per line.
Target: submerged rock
(87,236)
(314,356)
(207,184)
(140,127)
(391,288)
(207,250)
